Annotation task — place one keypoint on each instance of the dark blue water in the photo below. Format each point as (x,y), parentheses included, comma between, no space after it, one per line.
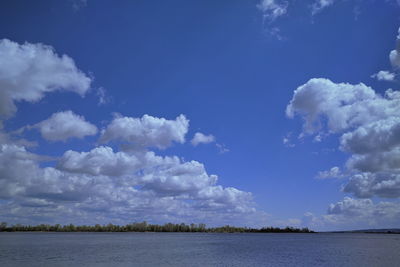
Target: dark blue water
(185,249)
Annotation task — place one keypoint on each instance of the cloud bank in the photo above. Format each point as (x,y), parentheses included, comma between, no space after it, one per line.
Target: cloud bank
(104,184)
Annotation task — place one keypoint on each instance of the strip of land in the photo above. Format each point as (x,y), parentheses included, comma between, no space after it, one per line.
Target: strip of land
(146,227)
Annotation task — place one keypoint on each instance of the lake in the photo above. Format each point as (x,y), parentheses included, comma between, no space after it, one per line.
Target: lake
(198,249)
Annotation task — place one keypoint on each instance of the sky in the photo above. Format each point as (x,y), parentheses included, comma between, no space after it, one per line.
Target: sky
(248,113)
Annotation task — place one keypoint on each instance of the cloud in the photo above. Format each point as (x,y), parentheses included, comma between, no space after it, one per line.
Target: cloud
(341,105)
(16,166)
(271,9)
(370,128)
(368,184)
(104,161)
(287,140)
(147,131)
(30,70)
(394,55)
(120,185)
(200,138)
(352,214)
(102,96)
(364,211)
(179,178)
(384,75)
(103,184)
(79,4)
(334,172)
(162,176)
(318,5)
(64,125)
(381,135)
(375,162)
(222,148)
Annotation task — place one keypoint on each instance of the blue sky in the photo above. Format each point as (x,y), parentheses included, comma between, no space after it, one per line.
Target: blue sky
(76,146)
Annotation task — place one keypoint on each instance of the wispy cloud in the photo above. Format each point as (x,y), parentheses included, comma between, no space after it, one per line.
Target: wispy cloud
(272,9)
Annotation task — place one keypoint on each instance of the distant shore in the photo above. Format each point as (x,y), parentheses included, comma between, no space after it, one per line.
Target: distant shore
(146,227)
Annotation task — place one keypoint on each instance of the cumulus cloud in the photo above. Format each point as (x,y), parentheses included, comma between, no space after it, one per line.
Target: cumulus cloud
(272,9)
(101,181)
(341,105)
(384,75)
(319,5)
(102,184)
(364,211)
(200,138)
(64,125)
(370,128)
(104,161)
(179,178)
(375,162)
(367,184)
(394,55)
(147,131)
(28,71)
(382,135)
(351,214)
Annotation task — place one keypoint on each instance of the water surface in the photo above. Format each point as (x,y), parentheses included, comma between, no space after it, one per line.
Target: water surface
(198,249)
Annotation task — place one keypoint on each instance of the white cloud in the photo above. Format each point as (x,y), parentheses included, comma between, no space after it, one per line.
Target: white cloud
(200,138)
(64,125)
(318,5)
(364,211)
(353,214)
(394,55)
(384,75)
(100,185)
(222,148)
(375,162)
(381,135)
(79,4)
(104,161)
(28,71)
(334,172)
(342,105)
(111,184)
(272,9)
(370,127)
(147,131)
(16,166)
(367,184)
(178,178)
(287,140)
(102,96)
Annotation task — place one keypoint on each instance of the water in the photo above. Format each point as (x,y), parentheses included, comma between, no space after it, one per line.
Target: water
(198,249)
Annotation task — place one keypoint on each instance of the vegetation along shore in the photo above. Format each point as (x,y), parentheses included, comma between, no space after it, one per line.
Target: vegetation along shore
(146,227)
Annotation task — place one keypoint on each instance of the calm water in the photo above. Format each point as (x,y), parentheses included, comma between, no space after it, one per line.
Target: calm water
(184,249)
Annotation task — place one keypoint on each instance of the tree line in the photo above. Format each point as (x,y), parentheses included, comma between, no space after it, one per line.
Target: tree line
(146,227)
